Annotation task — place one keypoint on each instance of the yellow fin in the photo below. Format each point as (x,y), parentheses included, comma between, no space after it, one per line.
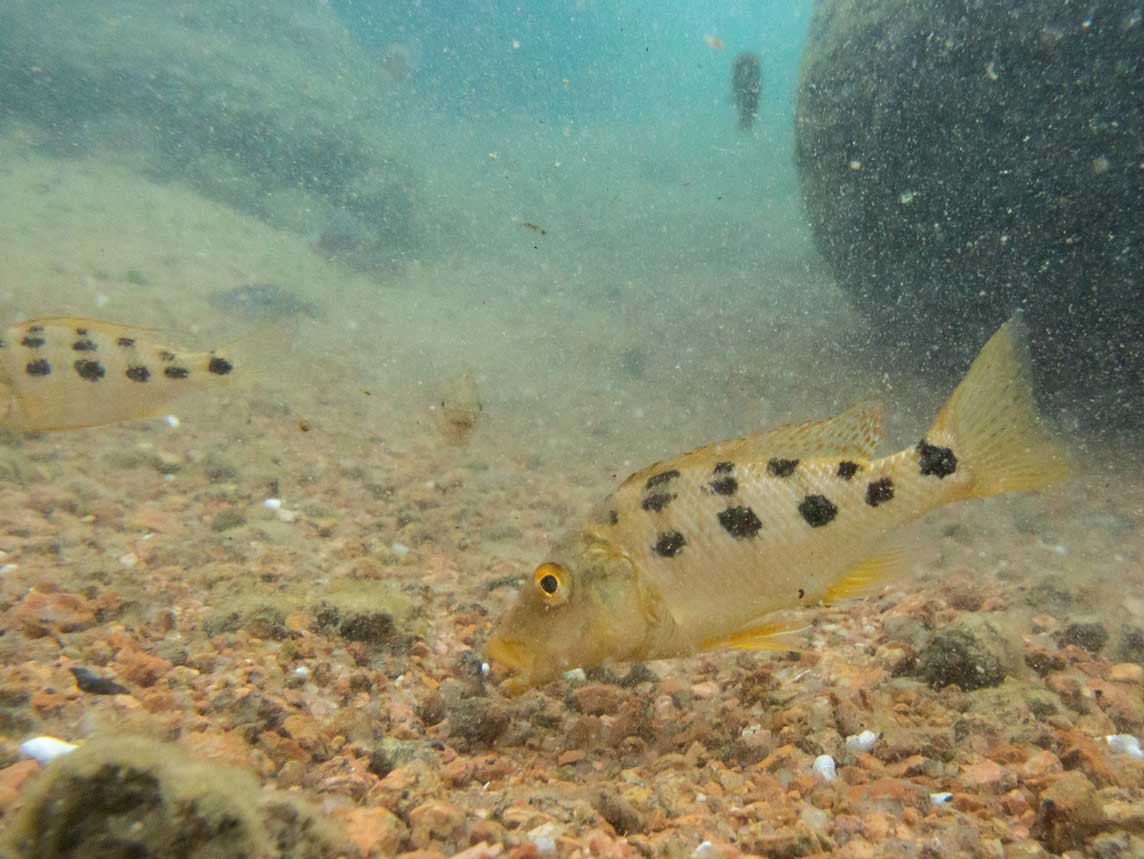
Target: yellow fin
(766,636)
(868,575)
(854,434)
(991,425)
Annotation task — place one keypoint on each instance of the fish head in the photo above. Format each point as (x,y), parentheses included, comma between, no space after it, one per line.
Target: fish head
(579,609)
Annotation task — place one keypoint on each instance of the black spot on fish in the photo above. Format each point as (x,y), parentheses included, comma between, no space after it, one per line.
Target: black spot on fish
(126,342)
(84,346)
(879,491)
(847,469)
(935,461)
(670,544)
(817,510)
(657,479)
(165,355)
(657,502)
(81,332)
(782,467)
(91,370)
(801,593)
(725,486)
(176,372)
(220,366)
(614,517)
(740,522)
(138,373)
(38,368)
(32,342)
(725,467)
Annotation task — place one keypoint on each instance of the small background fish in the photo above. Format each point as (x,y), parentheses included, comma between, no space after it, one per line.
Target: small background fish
(460,409)
(68,373)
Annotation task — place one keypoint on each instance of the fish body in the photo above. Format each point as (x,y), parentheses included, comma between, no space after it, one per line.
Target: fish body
(694,553)
(68,373)
(460,409)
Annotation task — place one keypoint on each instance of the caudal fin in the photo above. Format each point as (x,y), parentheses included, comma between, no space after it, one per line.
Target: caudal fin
(991,423)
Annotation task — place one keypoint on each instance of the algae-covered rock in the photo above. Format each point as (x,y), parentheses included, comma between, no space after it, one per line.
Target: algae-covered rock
(133,798)
(370,612)
(959,161)
(971,654)
(251,101)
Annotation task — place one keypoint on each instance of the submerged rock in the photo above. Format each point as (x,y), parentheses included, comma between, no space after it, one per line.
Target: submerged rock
(956,166)
(973,654)
(120,796)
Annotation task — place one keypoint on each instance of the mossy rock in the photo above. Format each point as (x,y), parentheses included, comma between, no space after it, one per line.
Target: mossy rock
(133,798)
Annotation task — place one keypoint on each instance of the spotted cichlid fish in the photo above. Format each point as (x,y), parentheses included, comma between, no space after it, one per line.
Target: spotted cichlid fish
(66,373)
(694,553)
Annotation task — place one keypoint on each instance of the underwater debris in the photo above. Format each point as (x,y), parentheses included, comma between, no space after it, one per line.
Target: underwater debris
(460,409)
(746,86)
(536,228)
(635,581)
(971,655)
(70,373)
(44,750)
(262,301)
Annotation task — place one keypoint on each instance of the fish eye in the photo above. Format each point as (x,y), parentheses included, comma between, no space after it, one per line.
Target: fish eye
(551,581)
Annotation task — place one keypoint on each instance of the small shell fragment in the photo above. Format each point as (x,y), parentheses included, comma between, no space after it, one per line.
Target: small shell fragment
(940,798)
(824,768)
(1125,744)
(44,750)
(861,743)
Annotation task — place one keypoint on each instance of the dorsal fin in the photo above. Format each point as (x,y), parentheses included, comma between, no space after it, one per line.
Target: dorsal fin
(854,434)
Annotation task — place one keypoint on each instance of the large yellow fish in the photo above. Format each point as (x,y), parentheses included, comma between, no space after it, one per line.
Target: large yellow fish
(65,373)
(695,552)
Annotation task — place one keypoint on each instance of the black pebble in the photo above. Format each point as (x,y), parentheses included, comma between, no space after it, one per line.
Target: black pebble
(93,684)
(817,510)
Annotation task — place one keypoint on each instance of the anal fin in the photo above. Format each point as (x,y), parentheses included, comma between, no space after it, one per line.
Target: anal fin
(765,636)
(868,575)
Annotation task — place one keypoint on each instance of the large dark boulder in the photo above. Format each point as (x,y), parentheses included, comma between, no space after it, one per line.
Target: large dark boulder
(959,160)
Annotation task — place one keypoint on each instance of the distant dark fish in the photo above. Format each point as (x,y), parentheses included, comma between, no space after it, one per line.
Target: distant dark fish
(262,301)
(746,85)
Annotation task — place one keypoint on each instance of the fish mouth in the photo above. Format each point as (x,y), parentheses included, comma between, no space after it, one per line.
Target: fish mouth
(513,655)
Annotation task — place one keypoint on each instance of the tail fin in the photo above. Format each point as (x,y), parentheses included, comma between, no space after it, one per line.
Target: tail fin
(991,421)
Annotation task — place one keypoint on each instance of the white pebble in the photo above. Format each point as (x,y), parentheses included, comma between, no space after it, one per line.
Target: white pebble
(485,669)
(44,750)
(544,837)
(172,421)
(706,850)
(8,568)
(940,798)
(128,560)
(824,767)
(285,515)
(859,743)
(1125,744)
(576,675)
(399,549)
(301,671)
(272,503)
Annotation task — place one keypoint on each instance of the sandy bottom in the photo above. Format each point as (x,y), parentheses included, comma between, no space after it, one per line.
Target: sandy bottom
(332,645)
